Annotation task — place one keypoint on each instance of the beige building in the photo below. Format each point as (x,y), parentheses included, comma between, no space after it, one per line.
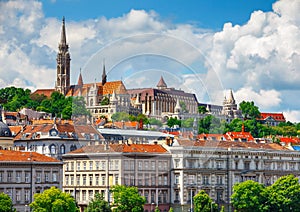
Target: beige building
(22,174)
(94,169)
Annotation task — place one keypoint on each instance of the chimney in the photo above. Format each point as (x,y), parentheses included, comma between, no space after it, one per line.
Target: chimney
(243,128)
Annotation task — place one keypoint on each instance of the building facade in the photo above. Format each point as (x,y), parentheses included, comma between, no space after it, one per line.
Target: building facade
(215,166)
(94,169)
(56,139)
(23,174)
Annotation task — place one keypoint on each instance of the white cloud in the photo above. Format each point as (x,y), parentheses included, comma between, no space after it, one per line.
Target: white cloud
(258,60)
(292,115)
(264,99)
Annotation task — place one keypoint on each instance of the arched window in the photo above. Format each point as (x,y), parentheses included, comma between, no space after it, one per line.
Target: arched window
(91,102)
(52,149)
(62,149)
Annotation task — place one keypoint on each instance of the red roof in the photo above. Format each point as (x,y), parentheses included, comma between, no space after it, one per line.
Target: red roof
(275,116)
(9,155)
(46,92)
(232,136)
(125,148)
(287,140)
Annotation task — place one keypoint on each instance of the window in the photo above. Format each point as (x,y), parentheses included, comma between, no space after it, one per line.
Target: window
(247,165)
(116,164)
(62,149)
(91,179)
(103,179)
(103,167)
(131,179)
(165,180)
(152,196)
(152,165)
(78,166)
(52,149)
(111,165)
(165,165)
(38,177)
(146,165)
(219,165)
(97,179)
(54,176)
(18,176)
(18,195)
(9,176)
(116,179)
(83,195)
(219,180)
(159,165)
(84,179)
(153,179)
(72,165)
(27,177)
(205,180)
(126,165)
(146,179)
(97,165)
(147,196)
(91,165)
(72,180)
(176,195)
(131,165)
(176,178)
(140,179)
(84,165)
(67,180)
(67,166)
(91,194)
(140,165)
(27,192)
(191,179)
(46,176)
(176,161)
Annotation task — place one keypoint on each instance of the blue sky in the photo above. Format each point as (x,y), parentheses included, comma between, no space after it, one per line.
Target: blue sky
(211,14)
(206,47)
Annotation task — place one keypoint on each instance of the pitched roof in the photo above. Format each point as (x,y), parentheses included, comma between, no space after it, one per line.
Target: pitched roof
(18,156)
(46,92)
(276,116)
(161,83)
(125,148)
(231,136)
(292,140)
(231,144)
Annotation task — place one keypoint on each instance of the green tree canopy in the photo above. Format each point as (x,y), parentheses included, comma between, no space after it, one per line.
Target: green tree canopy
(211,124)
(173,121)
(249,110)
(154,121)
(127,199)
(98,204)
(53,199)
(120,116)
(248,196)
(202,110)
(203,203)
(5,203)
(284,194)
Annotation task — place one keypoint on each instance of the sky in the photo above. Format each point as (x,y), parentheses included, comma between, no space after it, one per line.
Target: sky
(207,47)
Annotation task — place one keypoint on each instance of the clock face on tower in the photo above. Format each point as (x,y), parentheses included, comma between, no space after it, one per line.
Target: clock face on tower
(53,132)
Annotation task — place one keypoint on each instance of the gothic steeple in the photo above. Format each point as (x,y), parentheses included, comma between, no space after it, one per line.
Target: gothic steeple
(104,76)
(63,63)
(80,81)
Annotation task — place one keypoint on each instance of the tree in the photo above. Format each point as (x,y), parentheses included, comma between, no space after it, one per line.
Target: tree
(187,123)
(203,203)
(127,199)
(284,194)
(98,204)
(6,203)
(173,121)
(156,209)
(120,116)
(202,109)
(53,199)
(249,110)
(171,209)
(154,121)
(248,196)
(105,101)
(183,107)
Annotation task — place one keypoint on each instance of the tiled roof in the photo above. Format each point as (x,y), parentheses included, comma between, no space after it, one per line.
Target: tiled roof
(18,156)
(67,129)
(204,136)
(46,92)
(108,88)
(121,125)
(232,144)
(275,116)
(125,148)
(293,140)
(230,136)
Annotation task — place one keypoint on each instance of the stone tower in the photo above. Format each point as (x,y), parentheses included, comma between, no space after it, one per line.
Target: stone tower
(63,59)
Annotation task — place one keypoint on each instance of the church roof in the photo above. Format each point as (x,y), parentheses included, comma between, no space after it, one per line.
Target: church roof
(46,92)
(161,83)
(80,80)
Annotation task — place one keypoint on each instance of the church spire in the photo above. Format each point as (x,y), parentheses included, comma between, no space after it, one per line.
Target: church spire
(104,76)
(63,63)
(80,81)
(63,39)
(161,84)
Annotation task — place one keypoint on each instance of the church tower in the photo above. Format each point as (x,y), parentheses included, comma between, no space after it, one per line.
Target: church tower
(63,63)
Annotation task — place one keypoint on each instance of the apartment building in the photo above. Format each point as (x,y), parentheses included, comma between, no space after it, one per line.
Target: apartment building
(97,168)
(215,166)
(22,174)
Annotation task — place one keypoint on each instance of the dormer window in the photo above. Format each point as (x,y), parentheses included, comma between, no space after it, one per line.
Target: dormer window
(87,136)
(53,132)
